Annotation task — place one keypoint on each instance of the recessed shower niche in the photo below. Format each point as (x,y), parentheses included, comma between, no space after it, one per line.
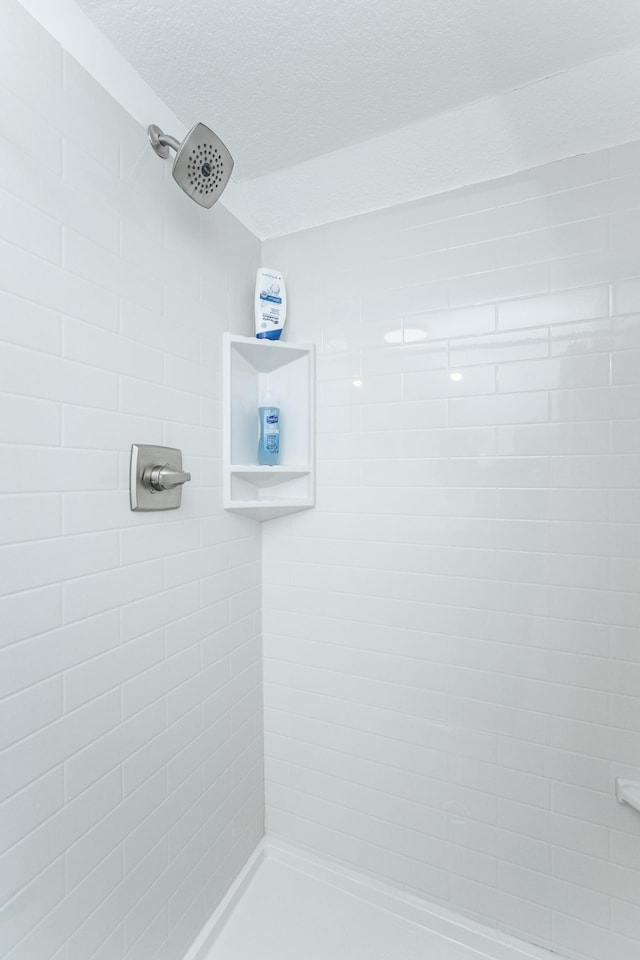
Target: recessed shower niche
(251,368)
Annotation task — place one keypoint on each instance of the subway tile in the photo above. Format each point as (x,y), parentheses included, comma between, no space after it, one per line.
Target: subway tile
(405,416)
(29,759)
(24,518)
(441,384)
(460,322)
(402,301)
(27,227)
(38,899)
(584,337)
(525,408)
(624,367)
(22,30)
(554,764)
(508,847)
(48,654)
(566,898)
(24,274)
(463,442)
(554,829)
(158,822)
(592,941)
(27,614)
(403,359)
(625,297)
(97,266)
(24,127)
(610,471)
(337,364)
(105,923)
(50,378)
(374,389)
(153,400)
(158,609)
(557,374)
(112,669)
(499,285)
(102,754)
(553,438)
(25,566)
(596,403)
(91,595)
(468,579)
(159,680)
(87,511)
(622,159)
(56,836)
(555,308)
(625,919)
(58,925)
(519,614)
(594,875)
(196,626)
(29,711)
(625,229)
(113,825)
(101,430)
(625,436)
(158,752)
(28,324)
(46,470)
(599,266)
(108,336)
(499,348)
(502,907)
(94,347)
(149,542)
(26,810)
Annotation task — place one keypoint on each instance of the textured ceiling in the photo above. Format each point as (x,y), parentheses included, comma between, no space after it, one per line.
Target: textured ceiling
(284,81)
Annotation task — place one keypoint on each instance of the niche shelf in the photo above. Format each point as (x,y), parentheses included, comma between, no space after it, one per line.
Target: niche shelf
(251,367)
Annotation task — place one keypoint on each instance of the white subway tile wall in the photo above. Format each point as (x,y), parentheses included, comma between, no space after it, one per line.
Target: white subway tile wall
(452,638)
(131,781)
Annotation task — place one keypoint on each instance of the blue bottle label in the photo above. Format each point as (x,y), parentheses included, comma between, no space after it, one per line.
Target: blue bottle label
(271,433)
(271,443)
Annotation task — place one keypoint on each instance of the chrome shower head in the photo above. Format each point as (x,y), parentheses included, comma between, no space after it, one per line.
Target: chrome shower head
(202,164)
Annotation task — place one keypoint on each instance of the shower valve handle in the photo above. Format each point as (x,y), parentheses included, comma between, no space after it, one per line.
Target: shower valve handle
(166,477)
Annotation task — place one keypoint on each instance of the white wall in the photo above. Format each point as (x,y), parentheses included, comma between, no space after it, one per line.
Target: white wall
(131,779)
(451,637)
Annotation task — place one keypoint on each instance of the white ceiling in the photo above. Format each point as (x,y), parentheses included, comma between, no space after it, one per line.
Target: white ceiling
(283,81)
(335,107)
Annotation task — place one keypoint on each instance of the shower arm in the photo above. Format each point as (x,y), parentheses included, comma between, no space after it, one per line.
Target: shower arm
(168,141)
(162,141)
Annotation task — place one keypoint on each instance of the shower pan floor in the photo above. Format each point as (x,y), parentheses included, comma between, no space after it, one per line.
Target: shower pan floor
(288,905)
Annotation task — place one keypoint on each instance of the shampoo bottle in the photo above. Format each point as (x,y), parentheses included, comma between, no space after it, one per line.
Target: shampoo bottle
(270,304)
(269,442)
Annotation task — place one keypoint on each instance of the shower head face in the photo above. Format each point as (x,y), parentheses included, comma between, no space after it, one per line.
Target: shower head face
(203,165)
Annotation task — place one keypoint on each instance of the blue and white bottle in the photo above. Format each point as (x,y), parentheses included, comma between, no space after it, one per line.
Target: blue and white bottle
(269,442)
(270,304)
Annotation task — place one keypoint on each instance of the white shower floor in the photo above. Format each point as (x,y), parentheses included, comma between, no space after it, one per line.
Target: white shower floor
(288,905)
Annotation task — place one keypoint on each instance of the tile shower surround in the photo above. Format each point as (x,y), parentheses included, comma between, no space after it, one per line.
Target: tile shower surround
(452,649)
(130,720)
(452,653)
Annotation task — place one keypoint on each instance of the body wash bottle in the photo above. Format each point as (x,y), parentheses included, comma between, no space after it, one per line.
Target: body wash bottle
(269,442)
(270,304)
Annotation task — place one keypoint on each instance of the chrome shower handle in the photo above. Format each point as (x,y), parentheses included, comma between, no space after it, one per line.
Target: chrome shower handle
(166,477)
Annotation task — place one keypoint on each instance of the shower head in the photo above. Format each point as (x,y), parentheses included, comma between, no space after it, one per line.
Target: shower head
(202,164)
